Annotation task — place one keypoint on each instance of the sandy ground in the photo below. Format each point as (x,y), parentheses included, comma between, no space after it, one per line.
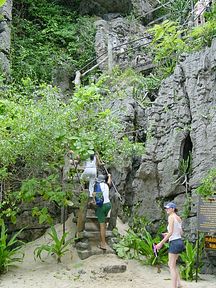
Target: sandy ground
(76,273)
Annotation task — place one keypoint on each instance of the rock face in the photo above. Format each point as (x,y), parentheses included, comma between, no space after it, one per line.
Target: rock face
(5,21)
(181,121)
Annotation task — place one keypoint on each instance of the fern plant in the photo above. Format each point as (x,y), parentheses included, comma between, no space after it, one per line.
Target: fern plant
(9,249)
(58,247)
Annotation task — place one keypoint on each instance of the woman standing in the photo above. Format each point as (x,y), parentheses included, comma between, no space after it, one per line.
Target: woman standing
(176,245)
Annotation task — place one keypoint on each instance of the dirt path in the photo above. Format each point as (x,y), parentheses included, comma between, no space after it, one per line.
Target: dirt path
(76,273)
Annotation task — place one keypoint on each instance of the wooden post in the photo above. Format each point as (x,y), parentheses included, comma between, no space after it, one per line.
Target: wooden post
(110,54)
(192,11)
(197,260)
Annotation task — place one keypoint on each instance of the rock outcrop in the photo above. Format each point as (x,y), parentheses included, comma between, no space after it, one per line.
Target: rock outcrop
(182,121)
(5,21)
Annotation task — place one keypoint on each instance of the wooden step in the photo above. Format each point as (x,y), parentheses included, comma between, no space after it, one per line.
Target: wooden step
(94,250)
(94,234)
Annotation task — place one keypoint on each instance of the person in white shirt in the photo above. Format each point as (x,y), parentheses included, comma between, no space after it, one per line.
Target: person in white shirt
(90,172)
(102,212)
(199,10)
(176,244)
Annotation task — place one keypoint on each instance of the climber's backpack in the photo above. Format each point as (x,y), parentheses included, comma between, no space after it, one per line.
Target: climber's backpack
(99,199)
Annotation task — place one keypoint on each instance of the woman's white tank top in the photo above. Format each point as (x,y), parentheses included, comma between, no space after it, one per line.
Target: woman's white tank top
(177,228)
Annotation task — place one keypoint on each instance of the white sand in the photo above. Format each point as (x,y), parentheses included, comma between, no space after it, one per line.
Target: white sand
(76,273)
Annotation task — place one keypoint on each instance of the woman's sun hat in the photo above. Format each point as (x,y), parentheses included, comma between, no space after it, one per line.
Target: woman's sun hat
(101,178)
(170,205)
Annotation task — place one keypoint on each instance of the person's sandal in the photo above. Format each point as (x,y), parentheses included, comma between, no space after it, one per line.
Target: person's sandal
(102,248)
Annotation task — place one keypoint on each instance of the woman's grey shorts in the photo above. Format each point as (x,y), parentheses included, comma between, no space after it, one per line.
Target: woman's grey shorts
(176,246)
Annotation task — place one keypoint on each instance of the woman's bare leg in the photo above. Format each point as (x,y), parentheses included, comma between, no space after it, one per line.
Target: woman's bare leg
(173,269)
(179,285)
(103,235)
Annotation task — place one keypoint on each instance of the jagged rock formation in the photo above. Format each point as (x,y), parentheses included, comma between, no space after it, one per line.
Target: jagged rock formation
(182,119)
(5,20)
(181,122)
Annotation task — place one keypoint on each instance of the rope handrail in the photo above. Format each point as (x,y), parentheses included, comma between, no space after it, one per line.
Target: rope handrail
(147,13)
(116,190)
(138,39)
(114,48)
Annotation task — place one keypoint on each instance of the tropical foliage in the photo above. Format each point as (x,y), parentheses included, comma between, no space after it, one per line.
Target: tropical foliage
(170,40)
(189,267)
(138,243)
(58,247)
(10,249)
(208,184)
(2,2)
(49,38)
(36,130)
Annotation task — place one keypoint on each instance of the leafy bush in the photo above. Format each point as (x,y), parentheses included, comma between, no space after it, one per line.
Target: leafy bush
(133,246)
(173,10)
(9,249)
(128,246)
(170,39)
(37,128)
(2,2)
(202,35)
(189,259)
(46,36)
(208,184)
(146,250)
(166,46)
(58,247)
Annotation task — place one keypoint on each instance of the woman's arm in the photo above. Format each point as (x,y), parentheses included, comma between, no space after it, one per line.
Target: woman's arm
(168,234)
(109,180)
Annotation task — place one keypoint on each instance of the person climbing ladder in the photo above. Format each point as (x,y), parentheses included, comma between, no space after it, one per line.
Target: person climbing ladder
(103,210)
(90,172)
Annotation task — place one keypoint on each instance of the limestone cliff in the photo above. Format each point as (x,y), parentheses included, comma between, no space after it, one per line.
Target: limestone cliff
(181,120)
(5,21)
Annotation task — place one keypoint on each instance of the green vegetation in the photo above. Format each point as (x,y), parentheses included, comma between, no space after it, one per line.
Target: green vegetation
(58,247)
(134,246)
(185,169)
(170,40)
(208,184)
(49,38)
(2,2)
(189,259)
(36,130)
(9,249)
(177,10)
(137,243)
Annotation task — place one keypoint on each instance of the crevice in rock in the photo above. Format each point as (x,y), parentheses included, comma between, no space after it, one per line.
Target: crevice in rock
(186,148)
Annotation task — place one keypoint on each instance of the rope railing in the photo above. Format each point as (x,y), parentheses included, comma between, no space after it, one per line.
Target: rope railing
(138,39)
(147,35)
